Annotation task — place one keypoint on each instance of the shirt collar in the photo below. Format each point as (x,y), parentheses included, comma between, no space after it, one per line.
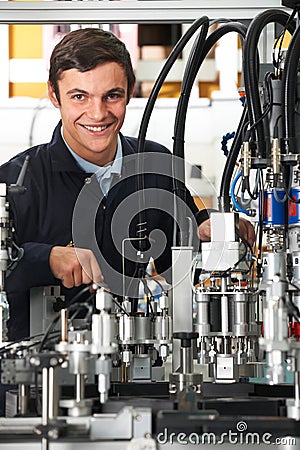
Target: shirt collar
(114,168)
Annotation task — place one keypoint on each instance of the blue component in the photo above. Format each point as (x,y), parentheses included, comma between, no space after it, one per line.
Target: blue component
(273,209)
(294,208)
(232,195)
(225,140)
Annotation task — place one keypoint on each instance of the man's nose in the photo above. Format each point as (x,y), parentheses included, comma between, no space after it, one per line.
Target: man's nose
(96,110)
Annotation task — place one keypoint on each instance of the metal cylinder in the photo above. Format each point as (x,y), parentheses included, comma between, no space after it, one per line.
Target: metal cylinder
(78,362)
(273,264)
(296,267)
(246,159)
(103,369)
(240,314)
(186,356)
(103,333)
(275,320)
(163,329)
(254,313)
(202,321)
(79,387)
(224,314)
(163,301)
(23,397)
(126,328)
(275,155)
(64,325)
(142,328)
(273,210)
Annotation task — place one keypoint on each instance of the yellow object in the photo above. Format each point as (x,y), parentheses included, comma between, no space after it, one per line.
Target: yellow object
(26,41)
(284,41)
(36,90)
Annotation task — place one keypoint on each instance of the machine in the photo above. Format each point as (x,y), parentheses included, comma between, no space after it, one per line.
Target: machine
(214,358)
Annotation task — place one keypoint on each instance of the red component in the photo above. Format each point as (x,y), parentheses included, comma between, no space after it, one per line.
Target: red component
(268,208)
(293,208)
(296,329)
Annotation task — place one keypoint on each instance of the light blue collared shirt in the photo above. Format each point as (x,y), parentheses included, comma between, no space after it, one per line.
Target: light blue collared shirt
(104,174)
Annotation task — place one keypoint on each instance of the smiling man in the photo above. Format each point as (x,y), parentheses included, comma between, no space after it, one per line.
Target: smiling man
(92,113)
(82,185)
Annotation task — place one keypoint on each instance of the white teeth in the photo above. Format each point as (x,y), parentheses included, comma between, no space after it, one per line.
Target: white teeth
(95,128)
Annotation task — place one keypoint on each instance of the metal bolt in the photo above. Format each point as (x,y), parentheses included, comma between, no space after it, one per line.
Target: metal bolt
(172,389)
(35,361)
(53,434)
(53,361)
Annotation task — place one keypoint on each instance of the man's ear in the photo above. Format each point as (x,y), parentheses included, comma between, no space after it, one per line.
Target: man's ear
(52,95)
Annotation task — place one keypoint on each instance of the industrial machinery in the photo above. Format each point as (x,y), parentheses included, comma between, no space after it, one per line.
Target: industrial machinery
(184,369)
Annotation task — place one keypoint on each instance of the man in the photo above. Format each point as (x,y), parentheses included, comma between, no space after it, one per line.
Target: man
(82,186)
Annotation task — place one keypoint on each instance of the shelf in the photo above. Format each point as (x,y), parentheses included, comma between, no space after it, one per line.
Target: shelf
(88,12)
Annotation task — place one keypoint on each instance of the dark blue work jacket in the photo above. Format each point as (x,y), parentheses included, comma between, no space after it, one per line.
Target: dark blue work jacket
(63,203)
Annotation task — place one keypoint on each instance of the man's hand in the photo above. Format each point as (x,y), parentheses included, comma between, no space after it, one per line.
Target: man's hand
(74,266)
(246,231)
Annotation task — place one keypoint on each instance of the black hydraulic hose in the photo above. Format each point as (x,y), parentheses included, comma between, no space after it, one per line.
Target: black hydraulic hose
(190,75)
(230,162)
(191,71)
(162,76)
(145,121)
(178,162)
(251,70)
(289,93)
(224,198)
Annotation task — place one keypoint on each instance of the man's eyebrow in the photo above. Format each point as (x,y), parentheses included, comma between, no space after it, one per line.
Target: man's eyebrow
(77,91)
(120,90)
(82,91)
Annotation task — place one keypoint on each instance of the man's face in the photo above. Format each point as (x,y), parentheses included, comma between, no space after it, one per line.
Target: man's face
(92,107)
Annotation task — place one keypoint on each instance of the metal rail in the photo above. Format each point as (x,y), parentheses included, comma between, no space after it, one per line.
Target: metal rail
(82,12)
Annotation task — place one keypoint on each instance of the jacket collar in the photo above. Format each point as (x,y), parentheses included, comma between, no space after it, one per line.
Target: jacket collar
(63,161)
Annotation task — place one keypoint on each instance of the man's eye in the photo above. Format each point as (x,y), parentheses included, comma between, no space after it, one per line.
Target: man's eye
(78,97)
(113,96)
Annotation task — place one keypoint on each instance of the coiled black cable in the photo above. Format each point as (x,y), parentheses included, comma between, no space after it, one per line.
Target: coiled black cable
(189,76)
(224,199)
(251,69)
(196,60)
(289,93)
(147,114)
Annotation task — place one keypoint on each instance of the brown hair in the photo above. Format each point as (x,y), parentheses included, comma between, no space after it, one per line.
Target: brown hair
(86,48)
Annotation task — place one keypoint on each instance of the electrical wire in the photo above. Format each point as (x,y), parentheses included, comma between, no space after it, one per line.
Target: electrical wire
(237,206)
(288,98)
(268,77)
(120,307)
(281,37)
(251,59)
(153,278)
(261,206)
(224,197)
